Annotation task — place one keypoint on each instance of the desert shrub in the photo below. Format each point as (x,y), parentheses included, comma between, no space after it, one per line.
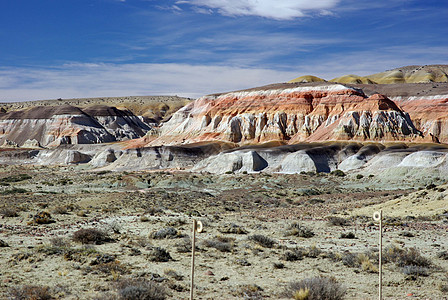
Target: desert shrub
(248,291)
(443,255)
(90,236)
(184,245)
(298,230)
(30,292)
(414,271)
(153,211)
(316,288)
(42,217)
(407,234)
(140,289)
(278,265)
(14,191)
(405,257)
(348,235)
(3,244)
(293,255)
(350,260)
(60,210)
(164,233)
(366,263)
(9,212)
(262,240)
(223,244)
(233,229)
(16,178)
(313,251)
(172,273)
(111,268)
(158,254)
(337,221)
(79,254)
(339,173)
(359,176)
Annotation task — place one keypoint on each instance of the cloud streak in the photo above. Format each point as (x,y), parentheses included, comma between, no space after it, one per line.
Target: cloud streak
(101,80)
(272,9)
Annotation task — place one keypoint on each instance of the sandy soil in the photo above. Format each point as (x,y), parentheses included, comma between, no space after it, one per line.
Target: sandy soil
(130,207)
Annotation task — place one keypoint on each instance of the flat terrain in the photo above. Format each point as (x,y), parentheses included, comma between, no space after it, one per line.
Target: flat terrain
(262,232)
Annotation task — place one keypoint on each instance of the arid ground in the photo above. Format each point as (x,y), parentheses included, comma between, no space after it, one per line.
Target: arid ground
(261,232)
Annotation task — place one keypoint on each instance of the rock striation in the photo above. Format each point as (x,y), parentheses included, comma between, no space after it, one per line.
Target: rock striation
(57,125)
(293,112)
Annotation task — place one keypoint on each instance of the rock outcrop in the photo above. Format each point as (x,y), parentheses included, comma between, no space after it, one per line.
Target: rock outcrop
(291,112)
(57,125)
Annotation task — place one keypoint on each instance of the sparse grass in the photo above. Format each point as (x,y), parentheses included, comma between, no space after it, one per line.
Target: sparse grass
(165,233)
(90,236)
(223,244)
(293,255)
(136,289)
(248,291)
(316,288)
(262,240)
(405,257)
(9,212)
(232,228)
(30,292)
(337,221)
(298,230)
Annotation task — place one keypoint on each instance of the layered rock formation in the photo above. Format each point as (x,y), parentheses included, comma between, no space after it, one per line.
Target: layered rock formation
(290,112)
(56,125)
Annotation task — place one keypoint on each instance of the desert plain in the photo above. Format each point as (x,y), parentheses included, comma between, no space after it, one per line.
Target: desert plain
(261,233)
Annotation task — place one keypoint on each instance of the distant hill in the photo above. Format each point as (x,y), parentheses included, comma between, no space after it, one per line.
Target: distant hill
(408,74)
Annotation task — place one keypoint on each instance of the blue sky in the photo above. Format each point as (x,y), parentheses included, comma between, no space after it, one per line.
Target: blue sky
(91,48)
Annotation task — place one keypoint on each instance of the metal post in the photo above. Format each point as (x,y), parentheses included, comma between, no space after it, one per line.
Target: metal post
(193,248)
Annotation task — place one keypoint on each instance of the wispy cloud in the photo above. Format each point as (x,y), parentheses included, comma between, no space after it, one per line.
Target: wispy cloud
(273,9)
(101,80)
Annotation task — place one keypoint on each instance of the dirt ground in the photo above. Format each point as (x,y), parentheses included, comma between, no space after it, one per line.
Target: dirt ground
(261,232)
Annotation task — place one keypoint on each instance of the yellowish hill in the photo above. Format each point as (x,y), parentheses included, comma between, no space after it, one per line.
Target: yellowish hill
(413,74)
(408,74)
(306,78)
(353,79)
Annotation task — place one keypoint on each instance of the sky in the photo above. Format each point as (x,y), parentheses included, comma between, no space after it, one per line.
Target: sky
(97,48)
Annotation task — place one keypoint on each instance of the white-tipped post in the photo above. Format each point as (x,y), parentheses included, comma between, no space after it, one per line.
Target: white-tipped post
(197,227)
(378,216)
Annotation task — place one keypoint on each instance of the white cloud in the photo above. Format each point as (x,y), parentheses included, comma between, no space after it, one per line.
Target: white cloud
(273,9)
(102,80)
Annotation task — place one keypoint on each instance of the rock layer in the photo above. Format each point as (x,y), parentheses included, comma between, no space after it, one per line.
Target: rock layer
(57,125)
(290,112)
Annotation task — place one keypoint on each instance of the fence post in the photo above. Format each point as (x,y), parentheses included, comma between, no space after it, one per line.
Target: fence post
(378,216)
(197,227)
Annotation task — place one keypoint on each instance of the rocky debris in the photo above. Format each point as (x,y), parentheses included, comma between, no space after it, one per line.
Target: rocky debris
(32,144)
(9,144)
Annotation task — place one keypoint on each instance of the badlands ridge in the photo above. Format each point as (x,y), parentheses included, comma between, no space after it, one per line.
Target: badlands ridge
(393,123)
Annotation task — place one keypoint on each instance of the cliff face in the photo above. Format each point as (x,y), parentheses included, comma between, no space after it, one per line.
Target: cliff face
(56,125)
(289,112)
